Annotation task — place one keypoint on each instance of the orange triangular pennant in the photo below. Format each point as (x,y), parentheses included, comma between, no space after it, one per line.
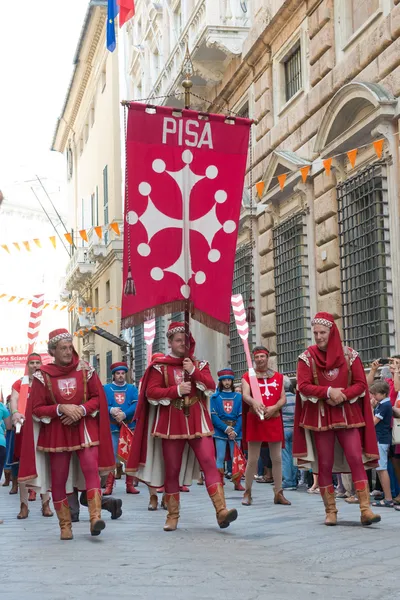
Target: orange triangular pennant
(12,298)
(71,309)
(46,305)
(63,307)
(26,244)
(53,240)
(115,228)
(83,234)
(282,179)
(304,172)
(260,185)
(21,300)
(55,307)
(352,154)
(88,310)
(38,244)
(378,145)
(68,237)
(99,232)
(2,295)
(327,165)
(17,245)
(5,247)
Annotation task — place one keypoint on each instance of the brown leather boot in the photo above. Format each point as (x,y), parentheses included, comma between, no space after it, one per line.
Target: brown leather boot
(24,512)
(222,473)
(153,504)
(109,484)
(32,496)
(328,496)
(164,502)
(94,503)
(112,505)
(367,516)
(46,510)
(7,478)
(64,519)
(247,500)
(224,516)
(172,502)
(130,487)
(279,498)
(118,473)
(14,486)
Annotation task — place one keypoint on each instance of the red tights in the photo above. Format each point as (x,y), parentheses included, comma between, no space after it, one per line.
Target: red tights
(350,441)
(204,450)
(59,466)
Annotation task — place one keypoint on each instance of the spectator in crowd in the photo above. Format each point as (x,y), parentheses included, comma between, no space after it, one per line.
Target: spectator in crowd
(289,469)
(5,423)
(383,426)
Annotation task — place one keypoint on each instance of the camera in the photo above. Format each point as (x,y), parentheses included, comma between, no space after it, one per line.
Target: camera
(384,361)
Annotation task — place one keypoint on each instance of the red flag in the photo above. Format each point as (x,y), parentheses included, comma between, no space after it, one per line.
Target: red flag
(124,444)
(126,10)
(238,464)
(33,332)
(185,177)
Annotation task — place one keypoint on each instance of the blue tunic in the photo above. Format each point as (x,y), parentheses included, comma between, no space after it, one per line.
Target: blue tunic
(226,407)
(124,397)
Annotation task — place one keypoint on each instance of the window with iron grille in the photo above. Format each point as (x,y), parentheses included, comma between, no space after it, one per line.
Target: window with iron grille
(140,352)
(159,340)
(291,291)
(365,264)
(293,75)
(242,284)
(108,366)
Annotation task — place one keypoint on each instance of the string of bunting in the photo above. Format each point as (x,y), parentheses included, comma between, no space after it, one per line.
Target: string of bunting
(60,306)
(83,234)
(327,164)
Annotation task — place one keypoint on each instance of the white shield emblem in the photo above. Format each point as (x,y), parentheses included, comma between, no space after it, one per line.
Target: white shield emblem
(67,388)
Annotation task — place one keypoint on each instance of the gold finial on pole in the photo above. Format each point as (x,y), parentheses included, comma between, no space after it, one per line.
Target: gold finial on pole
(187,70)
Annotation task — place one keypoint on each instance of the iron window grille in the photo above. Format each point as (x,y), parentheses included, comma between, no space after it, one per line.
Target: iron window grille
(293,75)
(140,352)
(365,270)
(108,366)
(291,291)
(242,284)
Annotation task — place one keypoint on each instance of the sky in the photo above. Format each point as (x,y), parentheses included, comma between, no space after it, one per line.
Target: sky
(37,46)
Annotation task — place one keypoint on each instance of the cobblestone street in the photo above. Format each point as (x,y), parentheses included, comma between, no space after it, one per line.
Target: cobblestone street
(270,552)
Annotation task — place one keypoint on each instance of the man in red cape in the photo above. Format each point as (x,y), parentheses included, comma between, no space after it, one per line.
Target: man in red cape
(334,429)
(68,401)
(166,441)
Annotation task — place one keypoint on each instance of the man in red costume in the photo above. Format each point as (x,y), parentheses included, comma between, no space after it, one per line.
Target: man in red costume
(168,454)
(67,399)
(267,430)
(334,427)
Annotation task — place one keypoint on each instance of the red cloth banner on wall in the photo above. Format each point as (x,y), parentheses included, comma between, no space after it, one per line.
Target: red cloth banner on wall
(18,361)
(185,177)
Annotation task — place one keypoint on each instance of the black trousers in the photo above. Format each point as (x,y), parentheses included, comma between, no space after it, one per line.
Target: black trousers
(2,459)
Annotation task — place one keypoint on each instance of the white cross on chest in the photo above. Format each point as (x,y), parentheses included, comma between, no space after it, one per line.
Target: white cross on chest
(266,387)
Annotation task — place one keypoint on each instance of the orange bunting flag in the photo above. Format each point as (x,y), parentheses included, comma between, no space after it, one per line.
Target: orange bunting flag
(352,154)
(327,165)
(304,172)
(63,307)
(21,300)
(80,309)
(94,309)
(88,310)
(71,309)
(282,179)
(55,307)
(99,232)
(378,145)
(94,328)
(2,295)
(115,228)
(38,243)
(12,298)
(111,321)
(83,234)
(5,247)
(26,244)
(29,302)
(17,245)
(260,185)
(105,323)
(53,241)
(68,237)
(46,305)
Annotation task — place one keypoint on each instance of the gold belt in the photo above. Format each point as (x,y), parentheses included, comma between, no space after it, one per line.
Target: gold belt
(179,403)
(229,423)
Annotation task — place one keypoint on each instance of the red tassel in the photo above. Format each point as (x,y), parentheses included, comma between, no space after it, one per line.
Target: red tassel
(129,289)
(250,312)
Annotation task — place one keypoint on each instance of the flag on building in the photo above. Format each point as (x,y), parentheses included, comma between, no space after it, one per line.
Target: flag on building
(126,10)
(112,12)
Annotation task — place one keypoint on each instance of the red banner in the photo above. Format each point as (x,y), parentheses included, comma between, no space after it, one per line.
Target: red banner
(238,464)
(18,361)
(185,176)
(124,443)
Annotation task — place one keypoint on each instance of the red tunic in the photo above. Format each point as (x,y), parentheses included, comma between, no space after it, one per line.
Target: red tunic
(162,390)
(267,430)
(313,384)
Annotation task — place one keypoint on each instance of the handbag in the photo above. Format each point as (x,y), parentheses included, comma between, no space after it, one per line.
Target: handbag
(396,431)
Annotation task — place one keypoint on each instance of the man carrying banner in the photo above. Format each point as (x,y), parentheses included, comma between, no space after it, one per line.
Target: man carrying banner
(157,458)
(68,400)
(269,430)
(122,400)
(334,429)
(226,415)
(16,440)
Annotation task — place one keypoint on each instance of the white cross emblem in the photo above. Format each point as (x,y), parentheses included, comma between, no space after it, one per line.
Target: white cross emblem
(266,387)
